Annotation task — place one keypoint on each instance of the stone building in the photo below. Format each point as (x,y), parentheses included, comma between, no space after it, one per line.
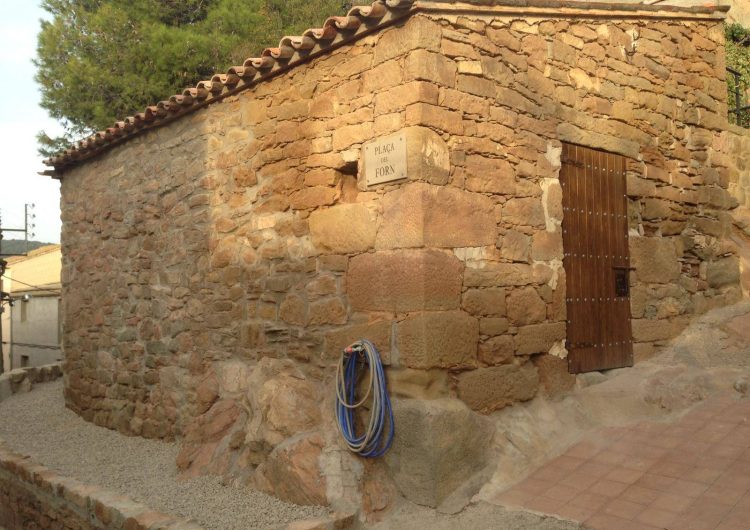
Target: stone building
(396,175)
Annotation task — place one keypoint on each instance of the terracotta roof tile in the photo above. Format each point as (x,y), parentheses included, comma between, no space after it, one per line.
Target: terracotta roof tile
(290,51)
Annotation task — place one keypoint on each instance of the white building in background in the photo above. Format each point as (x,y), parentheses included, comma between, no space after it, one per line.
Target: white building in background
(31,327)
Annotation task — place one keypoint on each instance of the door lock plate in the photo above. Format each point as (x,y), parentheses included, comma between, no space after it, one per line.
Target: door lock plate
(622,281)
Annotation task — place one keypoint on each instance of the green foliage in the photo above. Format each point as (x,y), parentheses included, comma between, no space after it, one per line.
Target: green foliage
(738,58)
(102,60)
(19,246)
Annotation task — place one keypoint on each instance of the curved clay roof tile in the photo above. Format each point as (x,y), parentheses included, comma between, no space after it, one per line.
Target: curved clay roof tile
(261,63)
(231,79)
(210,87)
(198,94)
(250,69)
(324,33)
(282,52)
(177,101)
(376,10)
(149,115)
(302,42)
(218,81)
(246,71)
(345,23)
(162,108)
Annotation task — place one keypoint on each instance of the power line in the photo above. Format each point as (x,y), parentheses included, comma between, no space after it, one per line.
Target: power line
(30,285)
(27,345)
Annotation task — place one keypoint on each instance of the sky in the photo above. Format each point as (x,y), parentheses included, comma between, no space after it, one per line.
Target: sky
(20,120)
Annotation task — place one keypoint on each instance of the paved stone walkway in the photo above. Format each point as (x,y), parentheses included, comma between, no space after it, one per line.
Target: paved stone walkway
(692,474)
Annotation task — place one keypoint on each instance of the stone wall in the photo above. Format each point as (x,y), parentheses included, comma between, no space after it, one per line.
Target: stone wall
(214,268)
(23,379)
(32,496)
(627,88)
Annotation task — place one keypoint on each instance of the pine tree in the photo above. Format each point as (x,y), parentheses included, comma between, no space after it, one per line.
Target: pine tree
(102,60)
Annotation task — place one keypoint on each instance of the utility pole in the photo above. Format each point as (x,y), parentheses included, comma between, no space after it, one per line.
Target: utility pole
(5,297)
(28,226)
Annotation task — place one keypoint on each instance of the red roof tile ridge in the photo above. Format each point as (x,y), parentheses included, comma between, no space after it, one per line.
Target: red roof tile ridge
(290,51)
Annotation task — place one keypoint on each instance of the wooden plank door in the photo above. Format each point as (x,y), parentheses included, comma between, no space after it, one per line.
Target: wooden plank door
(597,261)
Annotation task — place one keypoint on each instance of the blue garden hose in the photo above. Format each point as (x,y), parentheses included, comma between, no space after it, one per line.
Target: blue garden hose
(374,442)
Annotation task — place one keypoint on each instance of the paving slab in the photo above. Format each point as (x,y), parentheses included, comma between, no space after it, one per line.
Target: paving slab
(692,473)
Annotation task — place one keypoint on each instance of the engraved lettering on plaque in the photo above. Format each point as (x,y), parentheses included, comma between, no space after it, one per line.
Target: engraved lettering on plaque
(385,159)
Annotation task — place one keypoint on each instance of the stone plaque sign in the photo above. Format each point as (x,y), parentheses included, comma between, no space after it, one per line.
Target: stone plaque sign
(385,159)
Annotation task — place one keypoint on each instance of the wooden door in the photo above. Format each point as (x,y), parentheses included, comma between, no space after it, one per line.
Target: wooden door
(597,261)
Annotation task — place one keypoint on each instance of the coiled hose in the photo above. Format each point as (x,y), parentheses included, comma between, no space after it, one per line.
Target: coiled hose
(374,441)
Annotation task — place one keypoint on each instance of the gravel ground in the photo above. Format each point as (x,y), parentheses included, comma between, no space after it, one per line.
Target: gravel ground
(38,424)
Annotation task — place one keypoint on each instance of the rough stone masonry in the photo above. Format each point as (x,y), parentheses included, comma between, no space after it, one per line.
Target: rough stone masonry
(215,267)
